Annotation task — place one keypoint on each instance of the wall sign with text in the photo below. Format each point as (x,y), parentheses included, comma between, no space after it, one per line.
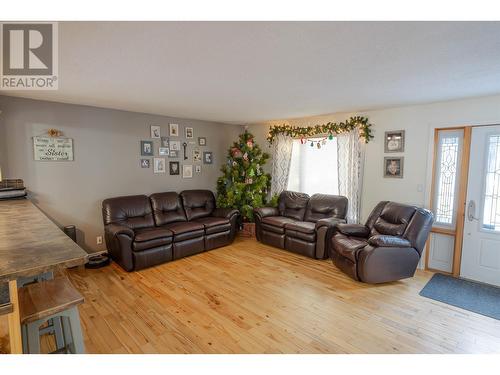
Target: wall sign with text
(53,148)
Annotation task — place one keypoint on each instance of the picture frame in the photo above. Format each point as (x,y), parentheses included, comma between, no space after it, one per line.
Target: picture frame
(159,165)
(165,142)
(173,130)
(187,171)
(202,141)
(197,168)
(147,148)
(173,154)
(145,163)
(163,151)
(189,132)
(155,132)
(174,168)
(196,155)
(175,145)
(208,157)
(394,141)
(393,167)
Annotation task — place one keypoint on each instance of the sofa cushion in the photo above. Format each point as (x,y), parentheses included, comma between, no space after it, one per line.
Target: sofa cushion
(293,204)
(321,206)
(348,247)
(301,226)
(149,238)
(185,230)
(133,211)
(272,228)
(310,237)
(198,203)
(277,221)
(214,224)
(393,219)
(167,208)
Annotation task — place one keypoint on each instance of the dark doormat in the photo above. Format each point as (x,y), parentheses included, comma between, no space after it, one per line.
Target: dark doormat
(469,295)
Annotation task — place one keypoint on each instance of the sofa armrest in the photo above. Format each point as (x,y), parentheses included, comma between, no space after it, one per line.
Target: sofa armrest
(266,211)
(355,230)
(329,222)
(116,229)
(388,241)
(225,212)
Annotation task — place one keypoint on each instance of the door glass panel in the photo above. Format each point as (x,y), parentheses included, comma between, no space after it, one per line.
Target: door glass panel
(447,172)
(491,213)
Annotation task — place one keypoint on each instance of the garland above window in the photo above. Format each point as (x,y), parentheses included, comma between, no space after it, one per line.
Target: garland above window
(330,128)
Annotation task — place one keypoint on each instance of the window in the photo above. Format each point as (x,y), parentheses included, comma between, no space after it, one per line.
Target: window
(447,168)
(491,213)
(312,169)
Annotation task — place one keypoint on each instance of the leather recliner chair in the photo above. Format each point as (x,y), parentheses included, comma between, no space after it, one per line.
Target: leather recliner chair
(387,248)
(300,223)
(141,232)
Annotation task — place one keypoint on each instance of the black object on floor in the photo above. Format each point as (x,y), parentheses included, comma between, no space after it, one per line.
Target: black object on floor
(98,261)
(469,295)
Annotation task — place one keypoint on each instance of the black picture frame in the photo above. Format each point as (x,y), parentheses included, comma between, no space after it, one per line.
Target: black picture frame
(174,168)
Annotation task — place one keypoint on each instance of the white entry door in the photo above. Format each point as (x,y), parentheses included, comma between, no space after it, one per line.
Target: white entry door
(481,242)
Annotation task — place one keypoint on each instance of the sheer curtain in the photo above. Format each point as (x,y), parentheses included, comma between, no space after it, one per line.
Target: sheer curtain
(282,154)
(349,160)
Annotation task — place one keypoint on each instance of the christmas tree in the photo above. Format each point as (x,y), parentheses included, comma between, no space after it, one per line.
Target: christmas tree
(244,185)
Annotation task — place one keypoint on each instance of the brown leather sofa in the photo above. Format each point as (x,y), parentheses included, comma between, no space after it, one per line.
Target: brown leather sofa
(387,248)
(143,231)
(300,222)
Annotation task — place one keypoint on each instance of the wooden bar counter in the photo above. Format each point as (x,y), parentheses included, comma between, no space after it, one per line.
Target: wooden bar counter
(30,244)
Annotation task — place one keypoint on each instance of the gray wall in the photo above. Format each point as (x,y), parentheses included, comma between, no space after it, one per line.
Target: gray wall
(107,154)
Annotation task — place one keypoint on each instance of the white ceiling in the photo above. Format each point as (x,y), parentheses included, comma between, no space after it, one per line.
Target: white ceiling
(244,72)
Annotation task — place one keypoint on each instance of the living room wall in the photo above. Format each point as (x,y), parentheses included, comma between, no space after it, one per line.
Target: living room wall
(419,122)
(107,156)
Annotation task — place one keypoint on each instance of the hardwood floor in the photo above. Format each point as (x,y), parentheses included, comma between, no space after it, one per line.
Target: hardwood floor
(252,298)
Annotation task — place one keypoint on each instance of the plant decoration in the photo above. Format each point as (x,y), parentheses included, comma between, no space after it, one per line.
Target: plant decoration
(54,132)
(330,128)
(244,185)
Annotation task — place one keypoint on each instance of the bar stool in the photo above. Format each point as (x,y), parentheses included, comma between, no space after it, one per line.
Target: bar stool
(53,299)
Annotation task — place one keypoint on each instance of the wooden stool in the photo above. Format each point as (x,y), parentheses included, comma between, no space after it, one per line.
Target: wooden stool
(53,299)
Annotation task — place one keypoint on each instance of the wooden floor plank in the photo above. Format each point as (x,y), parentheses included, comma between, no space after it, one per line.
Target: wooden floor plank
(252,298)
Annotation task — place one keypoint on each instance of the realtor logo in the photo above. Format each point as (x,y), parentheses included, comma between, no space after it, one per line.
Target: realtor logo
(29,56)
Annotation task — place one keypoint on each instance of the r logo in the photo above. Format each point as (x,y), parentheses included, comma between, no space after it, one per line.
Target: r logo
(27,49)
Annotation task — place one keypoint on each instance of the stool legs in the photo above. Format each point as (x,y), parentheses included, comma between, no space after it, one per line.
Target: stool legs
(67,329)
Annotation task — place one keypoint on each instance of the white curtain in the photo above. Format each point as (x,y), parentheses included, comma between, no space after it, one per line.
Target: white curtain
(349,160)
(282,155)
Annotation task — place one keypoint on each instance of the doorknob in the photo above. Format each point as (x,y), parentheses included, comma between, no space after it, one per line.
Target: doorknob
(471,210)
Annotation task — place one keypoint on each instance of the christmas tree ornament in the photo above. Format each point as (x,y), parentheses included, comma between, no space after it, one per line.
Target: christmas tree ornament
(330,136)
(312,144)
(250,143)
(245,156)
(318,145)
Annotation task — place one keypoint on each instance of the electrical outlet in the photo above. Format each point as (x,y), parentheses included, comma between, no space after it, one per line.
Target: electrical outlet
(99,240)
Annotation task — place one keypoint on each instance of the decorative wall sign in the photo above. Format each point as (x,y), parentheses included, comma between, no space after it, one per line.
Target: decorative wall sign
(155,131)
(174,168)
(53,148)
(202,141)
(174,130)
(173,154)
(147,148)
(393,167)
(187,171)
(163,151)
(189,133)
(197,168)
(394,141)
(145,163)
(208,157)
(159,165)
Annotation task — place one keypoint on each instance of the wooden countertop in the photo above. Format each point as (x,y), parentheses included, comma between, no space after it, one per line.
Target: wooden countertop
(31,244)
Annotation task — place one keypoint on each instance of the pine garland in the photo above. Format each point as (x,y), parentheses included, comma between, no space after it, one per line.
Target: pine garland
(330,128)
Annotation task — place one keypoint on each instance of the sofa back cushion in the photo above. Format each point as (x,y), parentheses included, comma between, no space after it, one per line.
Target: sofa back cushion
(321,206)
(393,219)
(198,203)
(293,204)
(133,211)
(167,208)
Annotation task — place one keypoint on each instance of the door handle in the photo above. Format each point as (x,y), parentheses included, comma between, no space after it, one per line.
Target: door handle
(471,210)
